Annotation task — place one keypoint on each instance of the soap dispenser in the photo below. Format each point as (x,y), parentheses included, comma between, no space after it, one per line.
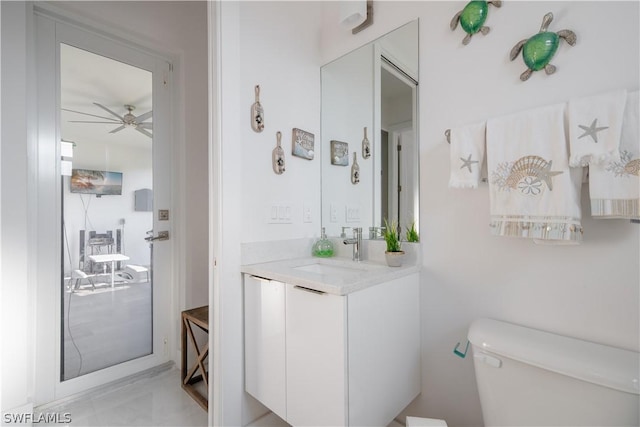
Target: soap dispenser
(323,247)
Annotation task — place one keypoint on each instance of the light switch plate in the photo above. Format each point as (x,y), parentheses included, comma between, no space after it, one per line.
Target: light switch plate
(352,213)
(279,213)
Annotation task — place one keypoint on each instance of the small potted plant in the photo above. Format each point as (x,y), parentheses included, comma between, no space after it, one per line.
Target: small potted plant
(394,253)
(412,234)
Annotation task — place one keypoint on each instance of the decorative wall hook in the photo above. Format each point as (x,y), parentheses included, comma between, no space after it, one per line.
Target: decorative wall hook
(277,156)
(472,18)
(538,50)
(257,113)
(459,353)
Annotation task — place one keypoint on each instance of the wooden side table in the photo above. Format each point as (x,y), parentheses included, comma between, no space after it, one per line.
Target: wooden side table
(200,318)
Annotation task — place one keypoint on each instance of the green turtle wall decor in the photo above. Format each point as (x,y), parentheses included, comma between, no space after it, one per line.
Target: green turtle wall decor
(472,18)
(538,50)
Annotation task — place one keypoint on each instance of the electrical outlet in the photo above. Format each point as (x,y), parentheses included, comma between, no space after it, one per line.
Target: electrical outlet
(333,213)
(306,213)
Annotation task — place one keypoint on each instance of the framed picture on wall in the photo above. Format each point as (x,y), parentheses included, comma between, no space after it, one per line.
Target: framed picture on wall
(339,153)
(302,144)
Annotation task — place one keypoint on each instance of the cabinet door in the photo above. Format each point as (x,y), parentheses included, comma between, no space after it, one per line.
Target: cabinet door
(264,326)
(384,350)
(316,358)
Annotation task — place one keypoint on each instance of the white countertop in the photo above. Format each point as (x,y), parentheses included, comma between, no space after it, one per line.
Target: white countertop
(346,276)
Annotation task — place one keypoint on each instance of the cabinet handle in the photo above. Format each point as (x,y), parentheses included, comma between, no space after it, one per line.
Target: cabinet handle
(314,291)
(260,279)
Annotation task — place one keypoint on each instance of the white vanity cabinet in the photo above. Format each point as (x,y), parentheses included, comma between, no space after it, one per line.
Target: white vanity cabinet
(342,359)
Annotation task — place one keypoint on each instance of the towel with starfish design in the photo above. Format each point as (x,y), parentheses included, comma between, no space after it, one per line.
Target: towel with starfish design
(595,123)
(467,155)
(614,187)
(533,192)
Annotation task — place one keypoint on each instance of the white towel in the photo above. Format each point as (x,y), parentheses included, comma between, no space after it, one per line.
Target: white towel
(533,191)
(614,187)
(595,123)
(467,155)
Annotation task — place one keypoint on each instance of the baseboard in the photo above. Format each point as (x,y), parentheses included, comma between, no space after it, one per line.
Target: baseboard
(18,416)
(105,388)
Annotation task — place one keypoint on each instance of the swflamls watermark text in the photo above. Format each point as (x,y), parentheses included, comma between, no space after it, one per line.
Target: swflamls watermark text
(36,418)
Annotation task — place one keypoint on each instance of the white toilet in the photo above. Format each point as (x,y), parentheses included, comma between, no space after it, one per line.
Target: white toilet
(534,378)
(528,377)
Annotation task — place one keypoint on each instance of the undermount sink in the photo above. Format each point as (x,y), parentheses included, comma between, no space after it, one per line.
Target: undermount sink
(326,269)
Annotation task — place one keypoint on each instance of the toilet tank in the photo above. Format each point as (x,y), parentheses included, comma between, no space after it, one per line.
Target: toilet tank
(527,377)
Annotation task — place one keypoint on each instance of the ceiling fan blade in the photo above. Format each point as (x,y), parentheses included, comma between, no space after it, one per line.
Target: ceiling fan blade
(92,115)
(118,129)
(143,117)
(83,121)
(146,125)
(144,132)
(108,110)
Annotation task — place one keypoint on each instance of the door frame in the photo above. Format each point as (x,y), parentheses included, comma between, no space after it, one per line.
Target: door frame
(52,27)
(386,61)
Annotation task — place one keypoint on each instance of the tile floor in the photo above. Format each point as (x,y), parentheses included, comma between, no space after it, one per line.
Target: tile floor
(155,399)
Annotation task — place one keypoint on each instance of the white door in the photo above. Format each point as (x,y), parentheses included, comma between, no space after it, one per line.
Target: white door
(103,178)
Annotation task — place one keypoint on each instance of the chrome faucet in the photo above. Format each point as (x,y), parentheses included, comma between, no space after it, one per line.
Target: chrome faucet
(356,241)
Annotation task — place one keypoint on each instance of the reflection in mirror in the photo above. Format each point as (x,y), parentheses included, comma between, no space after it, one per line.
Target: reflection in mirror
(371,93)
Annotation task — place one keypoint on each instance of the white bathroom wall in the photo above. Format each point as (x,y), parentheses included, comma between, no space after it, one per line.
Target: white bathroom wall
(279,50)
(588,291)
(16,313)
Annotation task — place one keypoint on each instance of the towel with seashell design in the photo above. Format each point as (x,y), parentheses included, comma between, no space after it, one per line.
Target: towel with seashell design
(533,192)
(595,123)
(614,187)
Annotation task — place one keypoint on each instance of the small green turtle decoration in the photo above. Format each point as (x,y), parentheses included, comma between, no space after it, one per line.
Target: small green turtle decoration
(538,50)
(472,18)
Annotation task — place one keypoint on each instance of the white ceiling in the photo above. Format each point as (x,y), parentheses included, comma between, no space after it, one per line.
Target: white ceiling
(86,78)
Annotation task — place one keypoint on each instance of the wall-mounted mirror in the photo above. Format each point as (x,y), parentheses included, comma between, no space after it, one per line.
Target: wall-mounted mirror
(371,93)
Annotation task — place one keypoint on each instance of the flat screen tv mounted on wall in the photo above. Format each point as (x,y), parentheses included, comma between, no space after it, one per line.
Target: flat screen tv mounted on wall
(100,183)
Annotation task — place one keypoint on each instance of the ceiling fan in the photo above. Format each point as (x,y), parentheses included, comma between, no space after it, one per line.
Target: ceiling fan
(128,120)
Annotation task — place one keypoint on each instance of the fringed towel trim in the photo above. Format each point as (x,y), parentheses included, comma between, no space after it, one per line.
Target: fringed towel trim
(543,228)
(623,208)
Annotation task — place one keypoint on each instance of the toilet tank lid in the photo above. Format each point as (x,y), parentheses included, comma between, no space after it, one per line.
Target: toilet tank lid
(600,364)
